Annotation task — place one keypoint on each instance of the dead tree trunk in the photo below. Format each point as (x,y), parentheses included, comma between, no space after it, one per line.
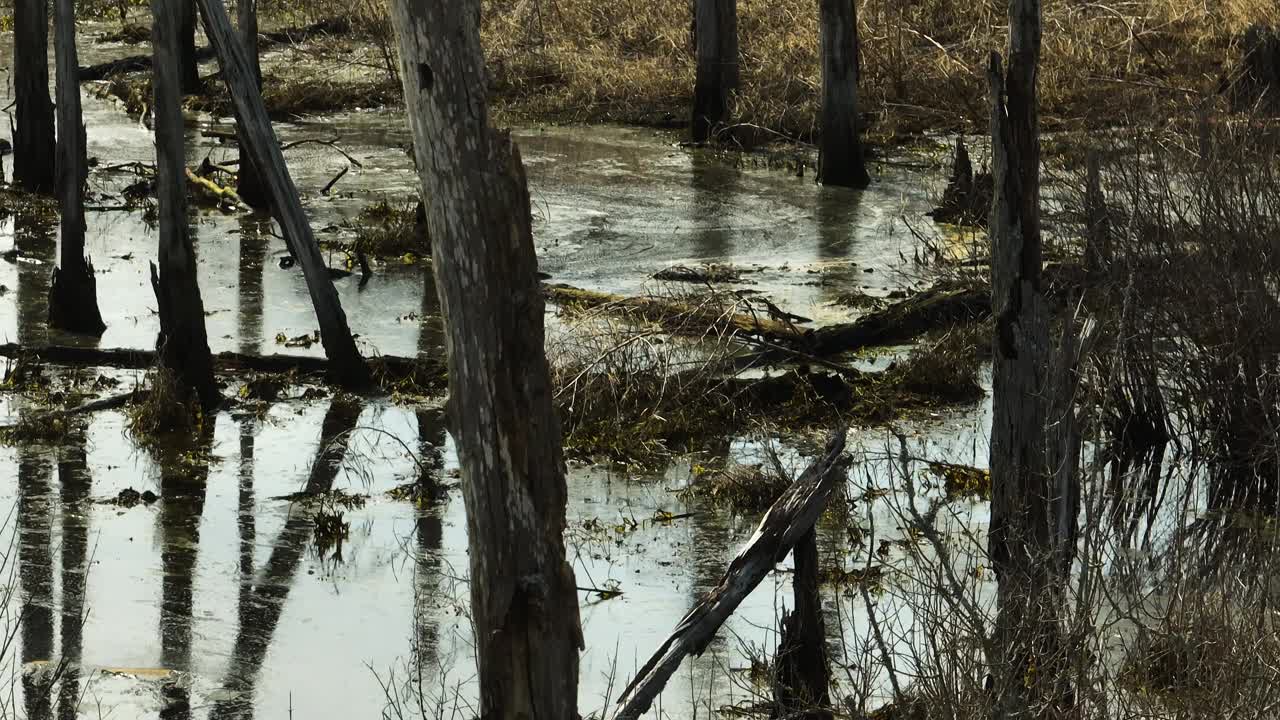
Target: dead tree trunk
(1032,521)
(33,135)
(249,183)
(73,296)
(523,595)
(716,30)
(188,67)
(792,515)
(840,160)
(801,673)
(346,365)
(182,345)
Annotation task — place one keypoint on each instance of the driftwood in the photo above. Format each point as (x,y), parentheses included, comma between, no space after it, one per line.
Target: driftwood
(787,521)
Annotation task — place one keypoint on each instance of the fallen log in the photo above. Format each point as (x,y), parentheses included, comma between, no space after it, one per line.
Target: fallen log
(790,517)
(678,315)
(937,307)
(428,373)
(139,63)
(904,321)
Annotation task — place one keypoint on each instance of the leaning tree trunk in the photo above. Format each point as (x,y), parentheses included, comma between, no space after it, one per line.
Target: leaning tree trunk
(182,345)
(1032,520)
(73,296)
(840,160)
(523,597)
(188,68)
(345,364)
(716,28)
(249,185)
(33,136)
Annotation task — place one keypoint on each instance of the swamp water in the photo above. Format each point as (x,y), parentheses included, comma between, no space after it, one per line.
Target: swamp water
(215,600)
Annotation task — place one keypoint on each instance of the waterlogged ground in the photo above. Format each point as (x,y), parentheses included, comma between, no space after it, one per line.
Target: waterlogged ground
(215,600)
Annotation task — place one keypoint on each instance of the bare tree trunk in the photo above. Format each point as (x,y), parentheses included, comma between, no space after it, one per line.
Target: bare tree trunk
(249,183)
(1032,519)
(716,30)
(840,160)
(802,675)
(346,365)
(33,135)
(73,296)
(189,69)
(182,345)
(523,595)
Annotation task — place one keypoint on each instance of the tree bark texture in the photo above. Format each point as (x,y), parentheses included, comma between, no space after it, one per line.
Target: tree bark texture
(73,295)
(259,139)
(188,65)
(716,28)
(1032,522)
(182,345)
(33,134)
(524,601)
(802,675)
(249,183)
(840,160)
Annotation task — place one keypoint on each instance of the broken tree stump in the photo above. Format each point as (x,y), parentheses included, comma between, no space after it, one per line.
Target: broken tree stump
(802,677)
(73,291)
(792,515)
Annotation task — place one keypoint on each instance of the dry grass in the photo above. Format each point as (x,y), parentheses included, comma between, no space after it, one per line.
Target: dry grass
(923,62)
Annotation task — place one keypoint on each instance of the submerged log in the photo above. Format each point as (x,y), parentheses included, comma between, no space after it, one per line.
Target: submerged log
(716,32)
(260,142)
(840,160)
(33,133)
(792,515)
(426,373)
(182,345)
(73,291)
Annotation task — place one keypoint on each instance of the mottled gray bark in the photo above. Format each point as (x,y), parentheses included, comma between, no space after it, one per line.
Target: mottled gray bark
(249,185)
(33,134)
(716,30)
(182,345)
(258,138)
(523,596)
(73,293)
(840,160)
(1032,511)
